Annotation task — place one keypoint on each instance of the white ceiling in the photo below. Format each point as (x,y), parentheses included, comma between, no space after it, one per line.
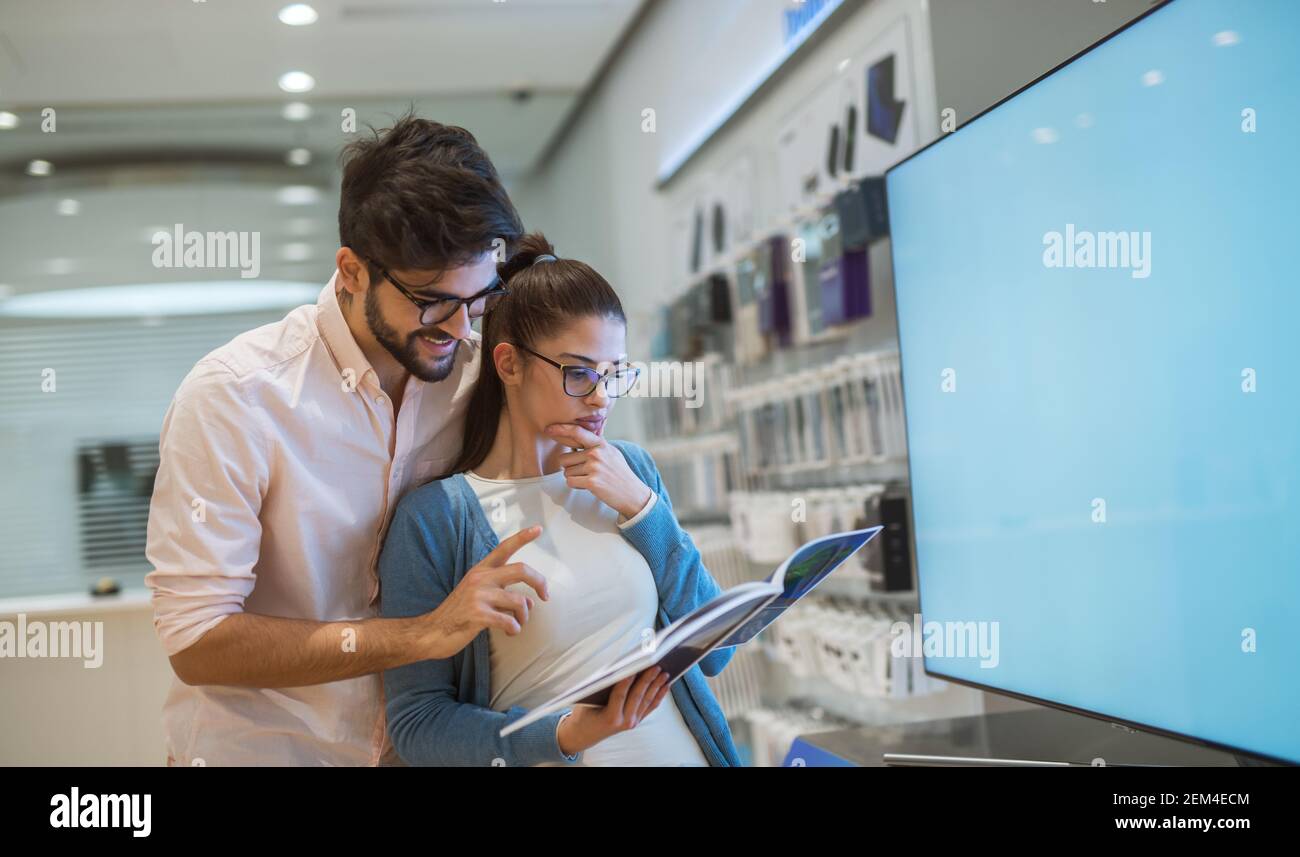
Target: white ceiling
(168,111)
(96,52)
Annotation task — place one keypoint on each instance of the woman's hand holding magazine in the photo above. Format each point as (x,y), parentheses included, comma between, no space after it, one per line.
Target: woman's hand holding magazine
(630,701)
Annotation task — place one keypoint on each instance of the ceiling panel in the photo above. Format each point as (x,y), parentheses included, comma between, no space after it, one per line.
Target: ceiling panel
(91,51)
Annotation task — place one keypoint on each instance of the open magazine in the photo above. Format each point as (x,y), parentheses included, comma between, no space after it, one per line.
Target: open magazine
(734,617)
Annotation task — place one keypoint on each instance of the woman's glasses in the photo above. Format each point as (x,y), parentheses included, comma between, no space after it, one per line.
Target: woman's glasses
(438,310)
(580,381)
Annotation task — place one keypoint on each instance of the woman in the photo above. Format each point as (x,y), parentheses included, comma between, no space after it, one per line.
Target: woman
(615,561)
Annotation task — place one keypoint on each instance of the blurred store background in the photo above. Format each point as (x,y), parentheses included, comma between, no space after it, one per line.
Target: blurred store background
(686,149)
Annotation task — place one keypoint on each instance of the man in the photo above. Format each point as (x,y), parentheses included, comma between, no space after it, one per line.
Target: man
(285,452)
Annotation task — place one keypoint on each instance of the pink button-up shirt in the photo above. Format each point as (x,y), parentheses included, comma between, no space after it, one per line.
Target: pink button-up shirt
(280,467)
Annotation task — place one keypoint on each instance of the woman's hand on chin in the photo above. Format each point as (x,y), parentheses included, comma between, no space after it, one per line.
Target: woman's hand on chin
(599,468)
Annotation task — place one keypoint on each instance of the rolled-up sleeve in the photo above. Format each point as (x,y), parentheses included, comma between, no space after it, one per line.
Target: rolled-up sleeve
(204,533)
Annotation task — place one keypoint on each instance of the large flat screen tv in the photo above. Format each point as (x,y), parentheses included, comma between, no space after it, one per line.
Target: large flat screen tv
(1098,296)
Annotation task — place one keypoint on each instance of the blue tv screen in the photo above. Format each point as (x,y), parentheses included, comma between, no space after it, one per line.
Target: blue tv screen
(1099,321)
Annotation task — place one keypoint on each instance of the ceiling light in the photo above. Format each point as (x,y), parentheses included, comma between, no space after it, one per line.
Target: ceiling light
(8,120)
(298,157)
(297,81)
(39,168)
(298,15)
(68,207)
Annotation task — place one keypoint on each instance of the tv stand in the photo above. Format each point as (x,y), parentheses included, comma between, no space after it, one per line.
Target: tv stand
(1039,737)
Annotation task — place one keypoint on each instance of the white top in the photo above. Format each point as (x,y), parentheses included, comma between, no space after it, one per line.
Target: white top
(280,466)
(602,599)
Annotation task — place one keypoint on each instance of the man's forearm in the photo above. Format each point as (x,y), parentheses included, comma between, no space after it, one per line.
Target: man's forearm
(249,650)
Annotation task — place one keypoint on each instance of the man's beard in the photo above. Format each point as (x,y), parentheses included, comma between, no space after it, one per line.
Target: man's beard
(407,353)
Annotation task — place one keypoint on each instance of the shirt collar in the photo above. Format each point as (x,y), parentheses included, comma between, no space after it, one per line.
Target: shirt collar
(337,335)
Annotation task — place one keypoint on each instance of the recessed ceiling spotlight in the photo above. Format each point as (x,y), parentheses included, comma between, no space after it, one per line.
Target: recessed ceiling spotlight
(68,207)
(299,157)
(8,120)
(39,168)
(298,15)
(297,81)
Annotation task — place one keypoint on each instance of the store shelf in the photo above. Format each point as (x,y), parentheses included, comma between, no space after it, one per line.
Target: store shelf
(953,700)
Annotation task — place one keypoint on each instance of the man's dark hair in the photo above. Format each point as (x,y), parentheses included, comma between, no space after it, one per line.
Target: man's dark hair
(422,195)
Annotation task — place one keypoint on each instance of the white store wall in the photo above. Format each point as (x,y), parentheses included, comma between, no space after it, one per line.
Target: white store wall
(596,198)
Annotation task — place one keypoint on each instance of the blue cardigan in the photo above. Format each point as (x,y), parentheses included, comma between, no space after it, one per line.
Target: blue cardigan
(438,710)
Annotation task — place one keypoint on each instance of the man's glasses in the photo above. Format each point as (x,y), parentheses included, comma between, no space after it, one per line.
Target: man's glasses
(438,310)
(580,381)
